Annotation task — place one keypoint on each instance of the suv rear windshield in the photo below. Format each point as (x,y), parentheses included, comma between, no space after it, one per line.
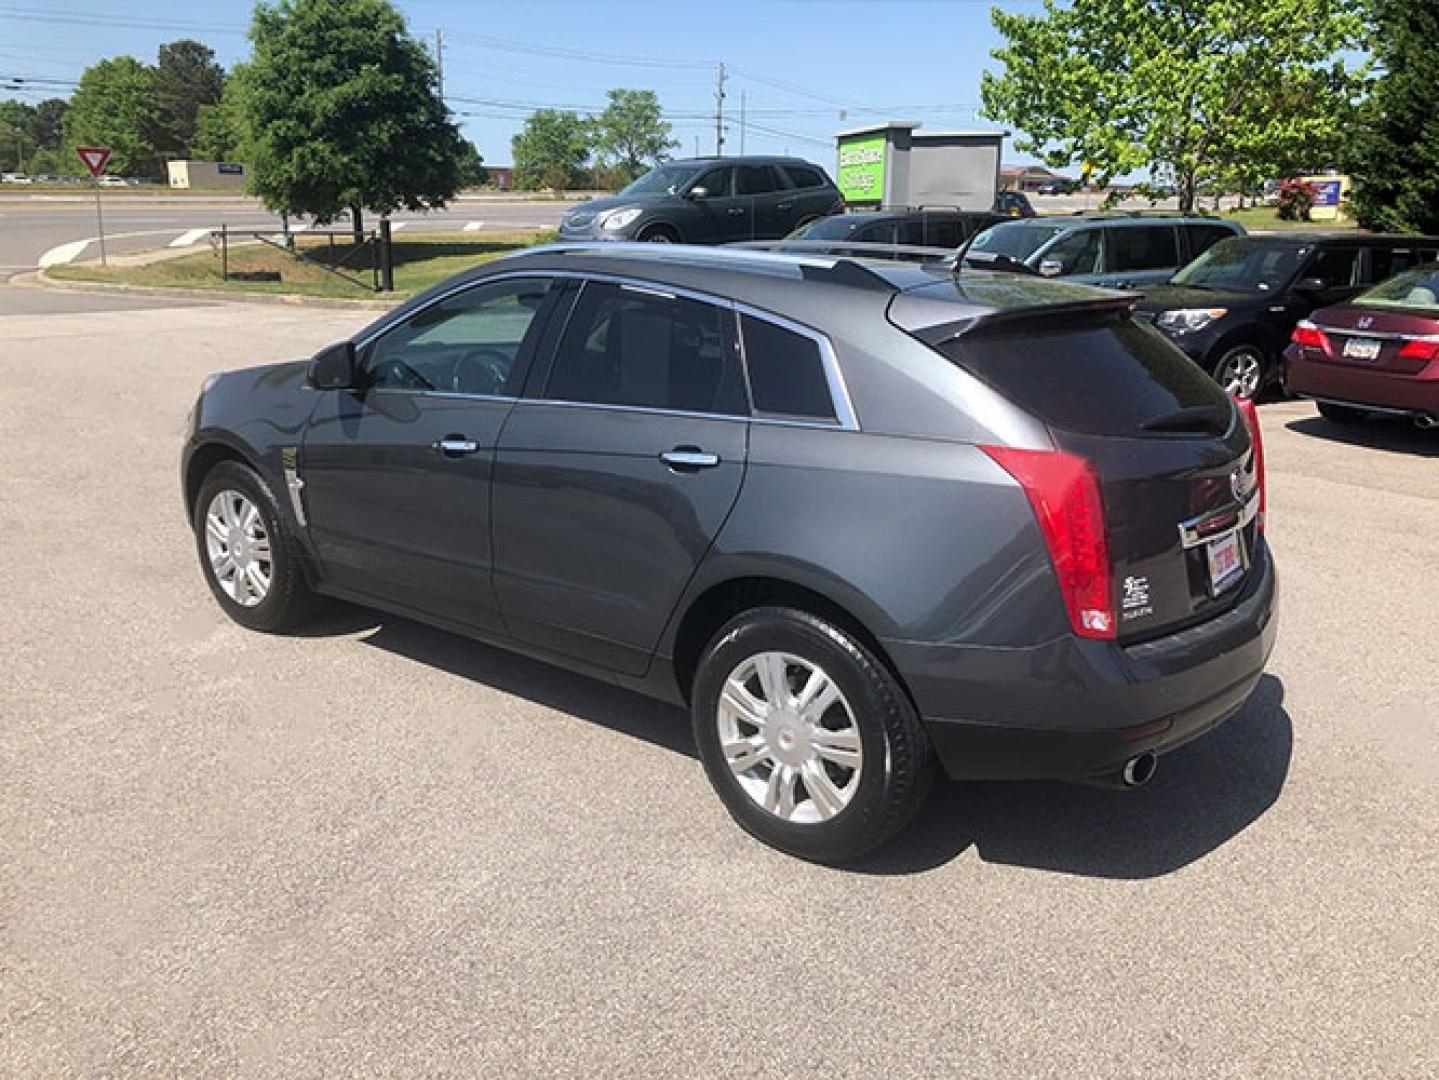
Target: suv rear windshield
(1104,375)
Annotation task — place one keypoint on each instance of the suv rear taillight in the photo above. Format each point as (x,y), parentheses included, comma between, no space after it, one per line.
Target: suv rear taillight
(1064,493)
(1256,439)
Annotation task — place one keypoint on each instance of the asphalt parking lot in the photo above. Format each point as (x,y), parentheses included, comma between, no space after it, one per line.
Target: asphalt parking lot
(376,849)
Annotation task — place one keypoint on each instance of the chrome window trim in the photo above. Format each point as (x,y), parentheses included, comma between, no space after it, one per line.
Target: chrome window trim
(845,417)
(824,425)
(442,394)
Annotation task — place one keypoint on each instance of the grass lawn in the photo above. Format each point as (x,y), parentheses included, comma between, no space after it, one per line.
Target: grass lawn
(420,261)
(1264,218)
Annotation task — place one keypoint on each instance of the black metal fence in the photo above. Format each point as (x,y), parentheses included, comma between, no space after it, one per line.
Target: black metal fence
(368,264)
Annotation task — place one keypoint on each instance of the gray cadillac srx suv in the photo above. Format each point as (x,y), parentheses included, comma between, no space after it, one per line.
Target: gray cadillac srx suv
(861,518)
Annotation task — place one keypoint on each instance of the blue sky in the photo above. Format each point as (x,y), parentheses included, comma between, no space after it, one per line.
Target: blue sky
(796,63)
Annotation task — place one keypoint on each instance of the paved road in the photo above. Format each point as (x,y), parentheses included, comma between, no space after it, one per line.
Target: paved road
(61,228)
(376,849)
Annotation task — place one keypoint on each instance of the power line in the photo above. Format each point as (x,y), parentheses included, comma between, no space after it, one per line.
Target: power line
(485,41)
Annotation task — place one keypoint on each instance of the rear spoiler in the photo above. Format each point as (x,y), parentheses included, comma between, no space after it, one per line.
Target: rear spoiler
(851,249)
(1036,316)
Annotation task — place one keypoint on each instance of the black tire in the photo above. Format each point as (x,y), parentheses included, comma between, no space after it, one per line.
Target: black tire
(1341,414)
(1238,359)
(289,601)
(898,761)
(659,234)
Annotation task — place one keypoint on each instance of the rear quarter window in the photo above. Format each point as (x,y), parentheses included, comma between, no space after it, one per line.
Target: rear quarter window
(1106,375)
(801,176)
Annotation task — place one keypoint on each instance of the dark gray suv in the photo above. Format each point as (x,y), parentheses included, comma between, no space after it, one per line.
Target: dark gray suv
(858,517)
(709,201)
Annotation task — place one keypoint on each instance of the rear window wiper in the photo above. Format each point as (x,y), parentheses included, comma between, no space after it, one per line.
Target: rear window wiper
(1212,418)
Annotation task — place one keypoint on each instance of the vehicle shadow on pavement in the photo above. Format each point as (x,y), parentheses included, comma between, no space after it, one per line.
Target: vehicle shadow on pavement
(1203,795)
(1396,436)
(588,699)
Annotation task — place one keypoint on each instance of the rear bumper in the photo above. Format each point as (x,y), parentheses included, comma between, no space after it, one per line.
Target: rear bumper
(1075,709)
(1346,384)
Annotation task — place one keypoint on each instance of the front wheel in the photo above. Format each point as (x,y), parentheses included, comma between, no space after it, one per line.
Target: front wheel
(1241,372)
(250,559)
(659,234)
(807,738)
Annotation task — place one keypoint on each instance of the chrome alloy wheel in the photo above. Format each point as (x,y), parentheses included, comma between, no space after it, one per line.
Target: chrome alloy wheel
(790,737)
(1240,373)
(238,547)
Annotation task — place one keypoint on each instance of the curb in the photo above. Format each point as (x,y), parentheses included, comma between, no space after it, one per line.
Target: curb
(38,279)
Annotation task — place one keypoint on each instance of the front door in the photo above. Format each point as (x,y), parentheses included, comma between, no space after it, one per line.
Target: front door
(616,471)
(396,477)
(718,216)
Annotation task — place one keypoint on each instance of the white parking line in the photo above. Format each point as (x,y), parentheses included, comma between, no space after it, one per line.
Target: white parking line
(473,226)
(63,253)
(193,236)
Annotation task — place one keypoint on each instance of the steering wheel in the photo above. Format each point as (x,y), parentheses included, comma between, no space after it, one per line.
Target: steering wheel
(395,372)
(494,368)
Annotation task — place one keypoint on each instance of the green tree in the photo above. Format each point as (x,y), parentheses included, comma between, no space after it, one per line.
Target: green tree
(220,128)
(1395,158)
(114,106)
(1193,90)
(630,134)
(186,79)
(17,143)
(47,123)
(551,150)
(342,111)
(472,168)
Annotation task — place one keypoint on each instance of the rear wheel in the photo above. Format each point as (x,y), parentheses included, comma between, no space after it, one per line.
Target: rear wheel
(250,559)
(1341,414)
(809,741)
(1241,372)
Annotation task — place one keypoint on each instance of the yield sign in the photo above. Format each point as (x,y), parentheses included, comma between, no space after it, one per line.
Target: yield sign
(94,157)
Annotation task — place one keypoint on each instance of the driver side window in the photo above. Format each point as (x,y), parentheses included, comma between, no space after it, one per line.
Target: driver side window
(465,344)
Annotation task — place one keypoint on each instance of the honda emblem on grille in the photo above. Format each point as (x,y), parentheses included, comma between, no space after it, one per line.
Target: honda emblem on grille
(1366,321)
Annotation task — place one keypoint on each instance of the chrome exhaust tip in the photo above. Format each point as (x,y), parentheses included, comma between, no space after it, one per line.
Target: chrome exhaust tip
(1138,770)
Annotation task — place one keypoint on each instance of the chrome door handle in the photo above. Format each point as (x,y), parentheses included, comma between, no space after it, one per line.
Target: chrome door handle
(783,205)
(687,458)
(455,446)
(736,209)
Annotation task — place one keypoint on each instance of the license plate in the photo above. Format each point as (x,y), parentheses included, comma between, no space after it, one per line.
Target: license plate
(1362,348)
(1226,562)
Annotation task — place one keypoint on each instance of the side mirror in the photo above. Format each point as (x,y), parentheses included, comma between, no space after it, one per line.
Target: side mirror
(1051,268)
(334,368)
(699,191)
(1312,284)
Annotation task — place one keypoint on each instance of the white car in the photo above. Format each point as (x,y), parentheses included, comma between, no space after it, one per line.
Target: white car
(15,178)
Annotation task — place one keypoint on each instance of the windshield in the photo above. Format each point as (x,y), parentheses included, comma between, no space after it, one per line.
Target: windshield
(1416,291)
(834,227)
(1244,265)
(664,180)
(1018,240)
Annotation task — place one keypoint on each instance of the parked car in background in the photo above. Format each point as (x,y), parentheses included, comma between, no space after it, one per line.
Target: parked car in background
(1377,354)
(1233,310)
(847,513)
(1120,251)
(1058,187)
(15,178)
(1014,204)
(709,201)
(946,229)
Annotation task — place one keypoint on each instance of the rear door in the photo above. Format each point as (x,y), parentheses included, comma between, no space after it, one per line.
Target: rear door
(1171,452)
(770,205)
(616,471)
(1139,255)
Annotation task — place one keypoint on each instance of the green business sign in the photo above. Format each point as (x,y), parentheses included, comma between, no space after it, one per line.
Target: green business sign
(861,169)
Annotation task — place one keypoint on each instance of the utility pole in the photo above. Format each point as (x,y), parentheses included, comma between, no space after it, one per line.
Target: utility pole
(440,60)
(741,121)
(719,111)
(697,146)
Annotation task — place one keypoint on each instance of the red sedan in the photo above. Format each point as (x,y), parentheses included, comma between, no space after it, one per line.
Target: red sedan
(1379,353)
